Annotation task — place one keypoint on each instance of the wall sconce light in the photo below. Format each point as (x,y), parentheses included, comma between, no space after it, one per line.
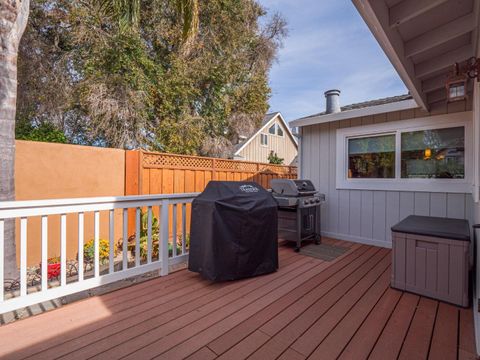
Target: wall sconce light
(456,84)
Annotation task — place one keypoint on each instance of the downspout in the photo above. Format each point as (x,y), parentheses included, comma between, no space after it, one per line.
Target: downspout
(476,199)
(298,135)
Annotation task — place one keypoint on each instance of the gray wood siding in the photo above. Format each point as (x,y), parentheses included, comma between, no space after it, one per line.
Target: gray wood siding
(367,216)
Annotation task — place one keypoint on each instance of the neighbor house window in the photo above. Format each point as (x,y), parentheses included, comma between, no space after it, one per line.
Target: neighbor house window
(372,157)
(434,154)
(424,154)
(275,129)
(279,130)
(264,139)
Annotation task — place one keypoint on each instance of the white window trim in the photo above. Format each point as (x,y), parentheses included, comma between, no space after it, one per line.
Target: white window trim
(398,184)
(279,127)
(274,125)
(266,137)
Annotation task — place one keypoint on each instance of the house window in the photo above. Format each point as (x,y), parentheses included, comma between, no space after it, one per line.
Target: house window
(424,154)
(279,130)
(264,139)
(372,157)
(434,154)
(275,129)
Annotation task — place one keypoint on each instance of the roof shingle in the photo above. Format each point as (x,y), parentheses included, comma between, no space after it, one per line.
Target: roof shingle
(382,101)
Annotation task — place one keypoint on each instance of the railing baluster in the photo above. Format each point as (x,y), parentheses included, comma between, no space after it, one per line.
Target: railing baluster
(111,241)
(184,228)
(44,253)
(2,254)
(23,256)
(163,245)
(45,210)
(174,230)
(138,223)
(81,238)
(63,249)
(96,242)
(149,235)
(125,240)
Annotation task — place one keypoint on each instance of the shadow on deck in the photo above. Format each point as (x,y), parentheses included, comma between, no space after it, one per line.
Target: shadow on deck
(308,309)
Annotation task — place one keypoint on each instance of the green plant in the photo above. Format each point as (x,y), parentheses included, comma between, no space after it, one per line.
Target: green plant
(103,248)
(273,158)
(54,260)
(45,132)
(155,239)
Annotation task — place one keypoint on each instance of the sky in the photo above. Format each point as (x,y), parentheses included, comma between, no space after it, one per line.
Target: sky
(329,46)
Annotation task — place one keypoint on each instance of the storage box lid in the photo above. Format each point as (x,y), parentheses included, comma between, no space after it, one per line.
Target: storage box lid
(446,228)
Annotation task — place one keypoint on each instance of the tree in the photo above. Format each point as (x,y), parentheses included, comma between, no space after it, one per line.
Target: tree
(13,20)
(151,86)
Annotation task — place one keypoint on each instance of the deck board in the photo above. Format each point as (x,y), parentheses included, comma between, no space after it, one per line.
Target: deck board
(308,309)
(363,341)
(417,341)
(391,339)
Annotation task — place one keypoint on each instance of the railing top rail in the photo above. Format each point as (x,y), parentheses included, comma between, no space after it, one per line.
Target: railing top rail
(11,209)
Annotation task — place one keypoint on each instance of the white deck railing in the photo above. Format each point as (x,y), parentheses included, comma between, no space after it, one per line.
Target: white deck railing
(172,213)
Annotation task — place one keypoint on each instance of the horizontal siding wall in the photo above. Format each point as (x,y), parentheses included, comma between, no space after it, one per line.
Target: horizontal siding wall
(367,216)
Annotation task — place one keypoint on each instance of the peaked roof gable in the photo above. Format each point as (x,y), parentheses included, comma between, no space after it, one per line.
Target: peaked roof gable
(266,122)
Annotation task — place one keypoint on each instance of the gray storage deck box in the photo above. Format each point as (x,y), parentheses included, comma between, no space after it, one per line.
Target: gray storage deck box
(430,257)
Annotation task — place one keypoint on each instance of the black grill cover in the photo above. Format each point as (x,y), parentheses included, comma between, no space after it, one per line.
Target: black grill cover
(233,231)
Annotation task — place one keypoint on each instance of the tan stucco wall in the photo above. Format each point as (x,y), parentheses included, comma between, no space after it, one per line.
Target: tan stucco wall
(52,171)
(284,146)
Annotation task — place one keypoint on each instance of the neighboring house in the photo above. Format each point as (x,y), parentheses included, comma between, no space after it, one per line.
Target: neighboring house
(273,135)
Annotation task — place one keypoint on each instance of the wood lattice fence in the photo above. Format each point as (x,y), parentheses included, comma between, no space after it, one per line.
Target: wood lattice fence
(148,173)
(158,173)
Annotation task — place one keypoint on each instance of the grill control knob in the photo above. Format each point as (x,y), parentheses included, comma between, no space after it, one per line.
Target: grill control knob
(306,202)
(317,200)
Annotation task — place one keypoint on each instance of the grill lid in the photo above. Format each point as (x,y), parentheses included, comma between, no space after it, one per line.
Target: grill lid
(290,187)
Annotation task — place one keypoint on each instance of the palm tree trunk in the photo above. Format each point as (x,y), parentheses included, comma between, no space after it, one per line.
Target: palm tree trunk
(13,20)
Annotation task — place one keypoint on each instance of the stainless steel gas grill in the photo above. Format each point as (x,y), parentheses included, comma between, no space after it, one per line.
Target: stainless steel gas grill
(299,206)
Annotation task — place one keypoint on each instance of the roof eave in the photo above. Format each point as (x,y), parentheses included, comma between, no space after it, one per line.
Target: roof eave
(391,45)
(351,114)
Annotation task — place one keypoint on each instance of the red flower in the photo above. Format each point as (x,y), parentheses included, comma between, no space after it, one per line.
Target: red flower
(53,270)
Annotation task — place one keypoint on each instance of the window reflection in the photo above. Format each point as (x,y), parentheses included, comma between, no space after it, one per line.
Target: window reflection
(372,157)
(438,154)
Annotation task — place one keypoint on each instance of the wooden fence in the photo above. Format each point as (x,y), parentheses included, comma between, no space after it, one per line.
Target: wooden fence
(149,173)
(156,173)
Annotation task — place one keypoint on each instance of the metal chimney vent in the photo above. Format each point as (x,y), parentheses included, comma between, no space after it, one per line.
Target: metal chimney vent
(333,101)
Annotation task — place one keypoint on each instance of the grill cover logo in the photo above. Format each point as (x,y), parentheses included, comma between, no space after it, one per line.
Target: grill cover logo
(249,189)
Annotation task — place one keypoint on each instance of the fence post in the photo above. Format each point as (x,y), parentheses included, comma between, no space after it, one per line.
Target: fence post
(214,169)
(164,236)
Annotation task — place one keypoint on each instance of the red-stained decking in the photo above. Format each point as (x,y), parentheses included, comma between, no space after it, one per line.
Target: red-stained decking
(309,309)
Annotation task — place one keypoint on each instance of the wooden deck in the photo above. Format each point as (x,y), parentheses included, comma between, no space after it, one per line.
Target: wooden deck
(308,309)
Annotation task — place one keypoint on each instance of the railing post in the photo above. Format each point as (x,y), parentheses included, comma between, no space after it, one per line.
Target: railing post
(164,237)
(23,256)
(63,249)
(44,253)
(81,238)
(2,247)
(96,241)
